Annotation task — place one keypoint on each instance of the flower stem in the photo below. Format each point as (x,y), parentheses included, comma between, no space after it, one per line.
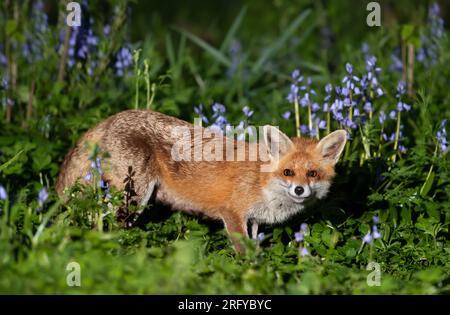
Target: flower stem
(137,74)
(297,117)
(397,136)
(328,122)
(309,116)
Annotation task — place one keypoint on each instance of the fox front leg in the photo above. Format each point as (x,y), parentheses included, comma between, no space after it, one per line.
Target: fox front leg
(254,230)
(235,224)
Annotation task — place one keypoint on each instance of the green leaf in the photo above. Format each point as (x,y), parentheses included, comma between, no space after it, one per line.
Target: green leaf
(11,27)
(8,163)
(407,31)
(271,50)
(428,183)
(234,27)
(217,54)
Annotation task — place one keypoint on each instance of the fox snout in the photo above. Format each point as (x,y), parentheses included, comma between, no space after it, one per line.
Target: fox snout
(303,191)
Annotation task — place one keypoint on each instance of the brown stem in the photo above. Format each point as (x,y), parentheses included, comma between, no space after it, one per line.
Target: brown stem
(63,60)
(403,45)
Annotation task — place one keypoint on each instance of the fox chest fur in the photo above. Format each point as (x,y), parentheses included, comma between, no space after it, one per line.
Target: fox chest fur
(141,146)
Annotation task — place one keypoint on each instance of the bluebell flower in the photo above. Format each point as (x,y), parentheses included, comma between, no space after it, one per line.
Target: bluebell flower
(322,124)
(199,110)
(368,107)
(382,117)
(260,236)
(441,137)
(235,56)
(315,107)
(124,60)
(88,177)
(83,43)
(402,148)
(401,89)
(295,74)
(42,196)
(349,68)
(247,112)
(375,219)
(3,59)
(4,83)
(304,129)
(428,53)
(286,115)
(299,236)
(304,227)
(218,109)
(3,193)
(367,239)
(393,115)
(396,62)
(304,252)
(106,30)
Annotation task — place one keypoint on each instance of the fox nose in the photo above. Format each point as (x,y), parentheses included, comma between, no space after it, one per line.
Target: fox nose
(299,190)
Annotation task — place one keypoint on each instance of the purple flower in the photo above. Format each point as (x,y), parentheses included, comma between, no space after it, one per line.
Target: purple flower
(3,193)
(304,227)
(124,60)
(286,115)
(349,68)
(218,109)
(368,107)
(402,148)
(367,239)
(403,107)
(393,115)
(260,236)
(401,88)
(42,196)
(88,177)
(382,117)
(322,124)
(375,219)
(375,233)
(304,129)
(247,112)
(396,62)
(106,30)
(328,88)
(304,252)
(428,53)
(441,137)
(199,110)
(315,107)
(299,236)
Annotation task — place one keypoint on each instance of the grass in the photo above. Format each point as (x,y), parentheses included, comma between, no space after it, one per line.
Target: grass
(177,253)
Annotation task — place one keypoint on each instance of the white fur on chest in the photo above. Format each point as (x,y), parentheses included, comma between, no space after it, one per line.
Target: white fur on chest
(277,206)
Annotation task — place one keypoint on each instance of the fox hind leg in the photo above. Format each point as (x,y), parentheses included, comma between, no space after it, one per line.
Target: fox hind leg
(150,194)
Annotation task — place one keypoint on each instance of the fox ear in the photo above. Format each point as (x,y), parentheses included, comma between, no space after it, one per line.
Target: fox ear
(332,145)
(277,143)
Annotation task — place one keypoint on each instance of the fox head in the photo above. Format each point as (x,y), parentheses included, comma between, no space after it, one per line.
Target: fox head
(302,169)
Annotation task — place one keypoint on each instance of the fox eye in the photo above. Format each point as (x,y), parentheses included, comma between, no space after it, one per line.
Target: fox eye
(311,174)
(288,172)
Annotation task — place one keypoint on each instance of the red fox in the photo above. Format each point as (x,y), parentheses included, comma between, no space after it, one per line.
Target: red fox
(235,192)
